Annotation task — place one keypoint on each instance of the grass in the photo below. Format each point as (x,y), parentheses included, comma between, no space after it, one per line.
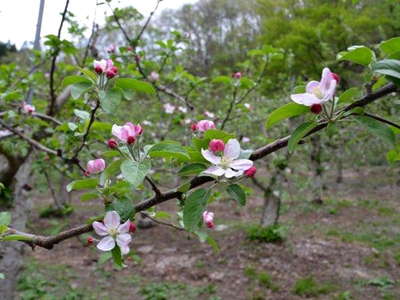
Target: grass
(309,287)
(263,279)
(270,234)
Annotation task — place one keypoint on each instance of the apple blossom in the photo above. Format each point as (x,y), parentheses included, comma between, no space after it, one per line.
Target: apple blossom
(247,105)
(132,227)
(193,126)
(205,125)
(208,219)
(318,92)
(28,109)
(250,172)
(183,109)
(216,145)
(111,49)
(95,166)
(316,108)
(228,164)
(105,66)
(127,133)
(168,108)
(113,233)
(154,76)
(209,114)
(237,75)
(245,139)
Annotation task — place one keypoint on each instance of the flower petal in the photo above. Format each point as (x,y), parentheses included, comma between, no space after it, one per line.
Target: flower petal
(123,241)
(311,86)
(232,149)
(116,131)
(241,164)
(211,157)
(99,228)
(326,79)
(330,92)
(124,228)
(214,170)
(112,219)
(106,244)
(305,99)
(229,173)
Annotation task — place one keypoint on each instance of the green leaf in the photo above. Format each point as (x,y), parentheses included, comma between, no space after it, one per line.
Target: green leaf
(237,193)
(16,237)
(388,67)
(191,169)
(2,276)
(110,100)
(222,79)
(299,133)
(124,207)
(358,54)
(195,205)
(89,74)
(5,218)
(213,243)
(79,88)
(134,172)
(117,256)
(74,79)
(134,84)
(89,196)
(377,128)
(83,184)
(169,150)
(390,47)
(350,95)
(284,112)
(81,114)
(112,170)
(217,134)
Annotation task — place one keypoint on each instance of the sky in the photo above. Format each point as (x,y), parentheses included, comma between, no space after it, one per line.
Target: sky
(18,17)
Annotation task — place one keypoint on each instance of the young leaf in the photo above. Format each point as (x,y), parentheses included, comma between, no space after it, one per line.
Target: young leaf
(83,184)
(117,256)
(195,204)
(299,133)
(79,88)
(350,95)
(191,169)
(378,128)
(134,172)
(284,112)
(358,54)
(237,193)
(89,196)
(110,100)
(391,46)
(388,67)
(169,150)
(74,79)
(134,84)
(217,134)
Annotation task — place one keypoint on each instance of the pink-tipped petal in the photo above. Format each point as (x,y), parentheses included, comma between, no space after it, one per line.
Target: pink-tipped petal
(330,92)
(106,244)
(112,219)
(214,170)
(305,99)
(232,149)
(326,79)
(124,228)
(116,131)
(211,157)
(99,228)
(241,164)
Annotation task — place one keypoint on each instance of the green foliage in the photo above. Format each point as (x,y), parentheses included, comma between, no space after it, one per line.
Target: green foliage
(299,133)
(58,212)
(237,193)
(380,129)
(358,54)
(135,172)
(134,85)
(110,100)
(388,67)
(286,111)
(309,287)
(195,205)
(5,218)
(269,234)
(83,184)
(169,150)
(191,169)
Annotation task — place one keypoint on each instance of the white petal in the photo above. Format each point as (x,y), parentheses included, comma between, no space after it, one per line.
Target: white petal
(124,228)
(326,78)
(330,92)
(123,241)
(241,164)
(305,99)
(211,157)
(116,131)
(112,219)
(100,228)
(124,249)
(214,170)
(229,173)
(106,244)
(232,149)
(311,86)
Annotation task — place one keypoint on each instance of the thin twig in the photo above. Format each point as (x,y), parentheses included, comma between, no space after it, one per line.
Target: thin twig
(145,215)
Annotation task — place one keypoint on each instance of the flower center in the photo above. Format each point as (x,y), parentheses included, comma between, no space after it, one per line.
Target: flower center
(317,92)
(113,232)
(225,161)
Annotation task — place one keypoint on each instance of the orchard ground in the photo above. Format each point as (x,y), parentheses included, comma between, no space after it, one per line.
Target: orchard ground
(347,248)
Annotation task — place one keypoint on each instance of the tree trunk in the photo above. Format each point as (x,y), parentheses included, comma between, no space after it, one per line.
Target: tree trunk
(316,164)
(11,253)
(271,209)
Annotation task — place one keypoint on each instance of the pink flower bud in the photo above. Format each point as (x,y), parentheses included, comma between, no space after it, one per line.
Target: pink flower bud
(132,227)
(205,125)
(208,219)
(28,109)
(237,75)
(316,108)
(95,166)
(112,143)
(154,76)
(129,48)
(131,140)
(336,77)
(216,145)
(90,240)
(193,126)
(250,172)
(112,72)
